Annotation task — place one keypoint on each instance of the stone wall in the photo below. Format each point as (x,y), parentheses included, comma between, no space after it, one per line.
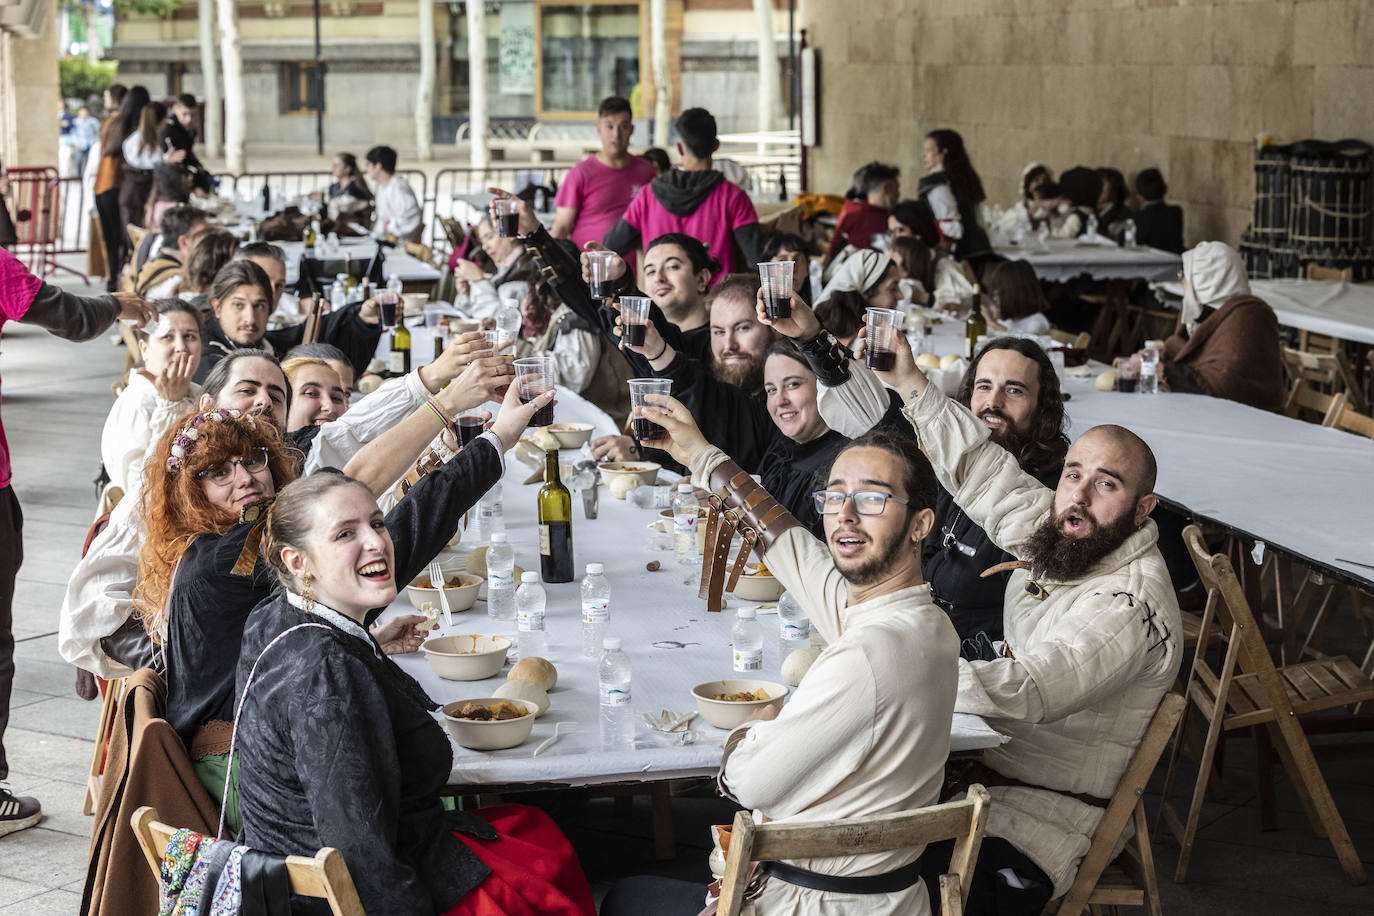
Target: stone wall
(1183,86)
(29,96)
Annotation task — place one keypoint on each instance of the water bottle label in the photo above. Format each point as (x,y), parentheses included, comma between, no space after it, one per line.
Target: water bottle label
(596,611)
(796,631)
(615,696)
(531,622)
(683,524)
(749,660)
(1148,369)
(496,579)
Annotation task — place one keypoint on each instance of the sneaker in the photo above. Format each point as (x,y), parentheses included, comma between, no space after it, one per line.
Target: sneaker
(17,811)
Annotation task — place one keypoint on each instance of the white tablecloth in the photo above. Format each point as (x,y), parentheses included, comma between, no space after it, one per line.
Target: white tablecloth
(1068,258)
(672,641)
(1291,484)
(1344,310)
(394,261)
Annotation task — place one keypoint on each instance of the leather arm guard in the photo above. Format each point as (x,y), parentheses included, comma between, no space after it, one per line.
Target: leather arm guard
(737,505)
(828,358)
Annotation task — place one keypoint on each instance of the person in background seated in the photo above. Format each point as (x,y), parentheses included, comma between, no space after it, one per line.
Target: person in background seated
(272,259)
(867,279)
(1227,341)
(1083,187)
(1015,303)
(912,217)
(658,158)
(1112,210)
(398,211)
(160,276)
(868,730)
(693,199)
(333,357)
(317,394)
(596,191)
(156,395)
(210,251)
(339,747)
(1157,224)
(1093,640)
(877,188)
(348,198)
(784,246)
(481,295)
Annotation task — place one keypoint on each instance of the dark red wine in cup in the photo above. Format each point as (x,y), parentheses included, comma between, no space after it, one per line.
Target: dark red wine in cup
(602,289)
(880,360)
(634,334)
(467,429)
(388,310)
(543,416)
(777,306)
(508,225)
(647,430)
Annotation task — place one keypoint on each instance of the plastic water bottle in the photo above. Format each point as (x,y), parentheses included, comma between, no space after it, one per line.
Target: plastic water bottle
(596,609)
(508,320)
(1149,367)
(684,524)
(529,611)
(1128,235)
(338,296)
(794,627)
(746,642)
(613,677)
(500,578)
(490,517)
(394,284)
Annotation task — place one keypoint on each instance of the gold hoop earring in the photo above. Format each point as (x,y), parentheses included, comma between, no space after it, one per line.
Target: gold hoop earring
(308,594)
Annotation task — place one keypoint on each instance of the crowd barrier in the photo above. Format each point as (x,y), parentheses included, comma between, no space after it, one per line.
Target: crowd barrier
(51,218)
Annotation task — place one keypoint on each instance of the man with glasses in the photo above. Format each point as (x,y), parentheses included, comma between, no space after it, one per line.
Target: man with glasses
(867,732)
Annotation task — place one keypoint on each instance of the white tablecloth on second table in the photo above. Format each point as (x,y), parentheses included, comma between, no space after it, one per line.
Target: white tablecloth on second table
(672,641)
(1068,258)
(1293,485)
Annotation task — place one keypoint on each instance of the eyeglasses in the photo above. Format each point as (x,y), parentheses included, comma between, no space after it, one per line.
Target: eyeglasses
(866,502)
(251,463)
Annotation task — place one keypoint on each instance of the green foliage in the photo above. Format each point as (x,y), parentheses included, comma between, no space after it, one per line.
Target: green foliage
(163,9)
(81,79)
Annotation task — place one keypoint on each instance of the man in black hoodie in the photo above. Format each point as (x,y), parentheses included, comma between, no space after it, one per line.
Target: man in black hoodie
(180,133)
(696,200)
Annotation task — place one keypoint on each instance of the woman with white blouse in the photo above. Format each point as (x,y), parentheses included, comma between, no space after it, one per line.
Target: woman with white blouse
(142,154)
(156,395)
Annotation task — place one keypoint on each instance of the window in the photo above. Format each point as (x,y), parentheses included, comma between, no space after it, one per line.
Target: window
(587,51)
(300,91)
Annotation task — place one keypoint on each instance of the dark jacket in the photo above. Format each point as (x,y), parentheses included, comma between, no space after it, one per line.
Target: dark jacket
(174,135)
(975,241)
(344,329)
(1160,225)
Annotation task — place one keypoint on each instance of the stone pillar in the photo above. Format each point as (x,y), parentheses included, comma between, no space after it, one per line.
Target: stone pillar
(29,93)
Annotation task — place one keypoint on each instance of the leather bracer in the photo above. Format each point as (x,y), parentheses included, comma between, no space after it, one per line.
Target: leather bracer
(828,358)
(737,505)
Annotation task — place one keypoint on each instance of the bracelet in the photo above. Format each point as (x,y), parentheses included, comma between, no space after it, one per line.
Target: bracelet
(443,417)
(660,352)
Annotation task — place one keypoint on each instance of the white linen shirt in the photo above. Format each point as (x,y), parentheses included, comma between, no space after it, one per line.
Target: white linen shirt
(138,419)
(136,157)
(866,733)
(397,210)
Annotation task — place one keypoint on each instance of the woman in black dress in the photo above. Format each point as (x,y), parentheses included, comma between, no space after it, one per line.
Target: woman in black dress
(337,746)
(951,191)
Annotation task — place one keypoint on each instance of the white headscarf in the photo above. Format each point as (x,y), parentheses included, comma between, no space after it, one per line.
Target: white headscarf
(1212,272)
(860,271)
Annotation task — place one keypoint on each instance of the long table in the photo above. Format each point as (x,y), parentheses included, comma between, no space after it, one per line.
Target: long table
(672,641)
(1067,258)
(1344,310)
(394,261)
(1300,488)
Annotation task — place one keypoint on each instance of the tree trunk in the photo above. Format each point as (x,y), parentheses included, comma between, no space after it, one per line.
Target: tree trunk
(90,15)
(424,91)
(768,68)
(209,69)
(477,83)
(231,53)
(663,89)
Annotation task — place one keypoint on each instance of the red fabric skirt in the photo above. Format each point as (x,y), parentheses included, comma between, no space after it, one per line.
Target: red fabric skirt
(534,871)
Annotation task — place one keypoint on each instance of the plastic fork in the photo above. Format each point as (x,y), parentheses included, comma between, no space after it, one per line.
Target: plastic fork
(436,578)
(559,730)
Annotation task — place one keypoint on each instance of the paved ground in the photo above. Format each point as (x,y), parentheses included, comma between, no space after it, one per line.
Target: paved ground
(56,395)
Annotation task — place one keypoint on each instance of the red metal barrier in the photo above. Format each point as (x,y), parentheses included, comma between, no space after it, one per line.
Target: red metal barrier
(49,218)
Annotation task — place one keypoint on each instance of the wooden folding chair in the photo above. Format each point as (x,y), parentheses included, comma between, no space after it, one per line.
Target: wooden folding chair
(109,707)
(1350,420)
(1330,370)
(1324,343)
(323,875)
(1070,339)
(1130,880)
(961,821)
(1306,403)
(1248,690)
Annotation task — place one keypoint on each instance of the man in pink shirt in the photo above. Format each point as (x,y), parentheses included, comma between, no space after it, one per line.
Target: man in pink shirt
(599,188)
(695,200)
(26,298)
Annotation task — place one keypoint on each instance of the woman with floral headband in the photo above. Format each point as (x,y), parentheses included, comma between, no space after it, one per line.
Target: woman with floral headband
(206,487)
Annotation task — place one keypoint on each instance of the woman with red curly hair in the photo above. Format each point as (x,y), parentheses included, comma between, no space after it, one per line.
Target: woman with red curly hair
(206,490)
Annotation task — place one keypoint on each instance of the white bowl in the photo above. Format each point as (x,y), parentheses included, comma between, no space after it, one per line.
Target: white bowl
(760,587)
(466,657)
(488,736)
(414,303)
(571,435)
(633,474)
(728,713)
(460,597)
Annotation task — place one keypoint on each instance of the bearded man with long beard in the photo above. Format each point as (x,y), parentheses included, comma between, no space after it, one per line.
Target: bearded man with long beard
(1092,637)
